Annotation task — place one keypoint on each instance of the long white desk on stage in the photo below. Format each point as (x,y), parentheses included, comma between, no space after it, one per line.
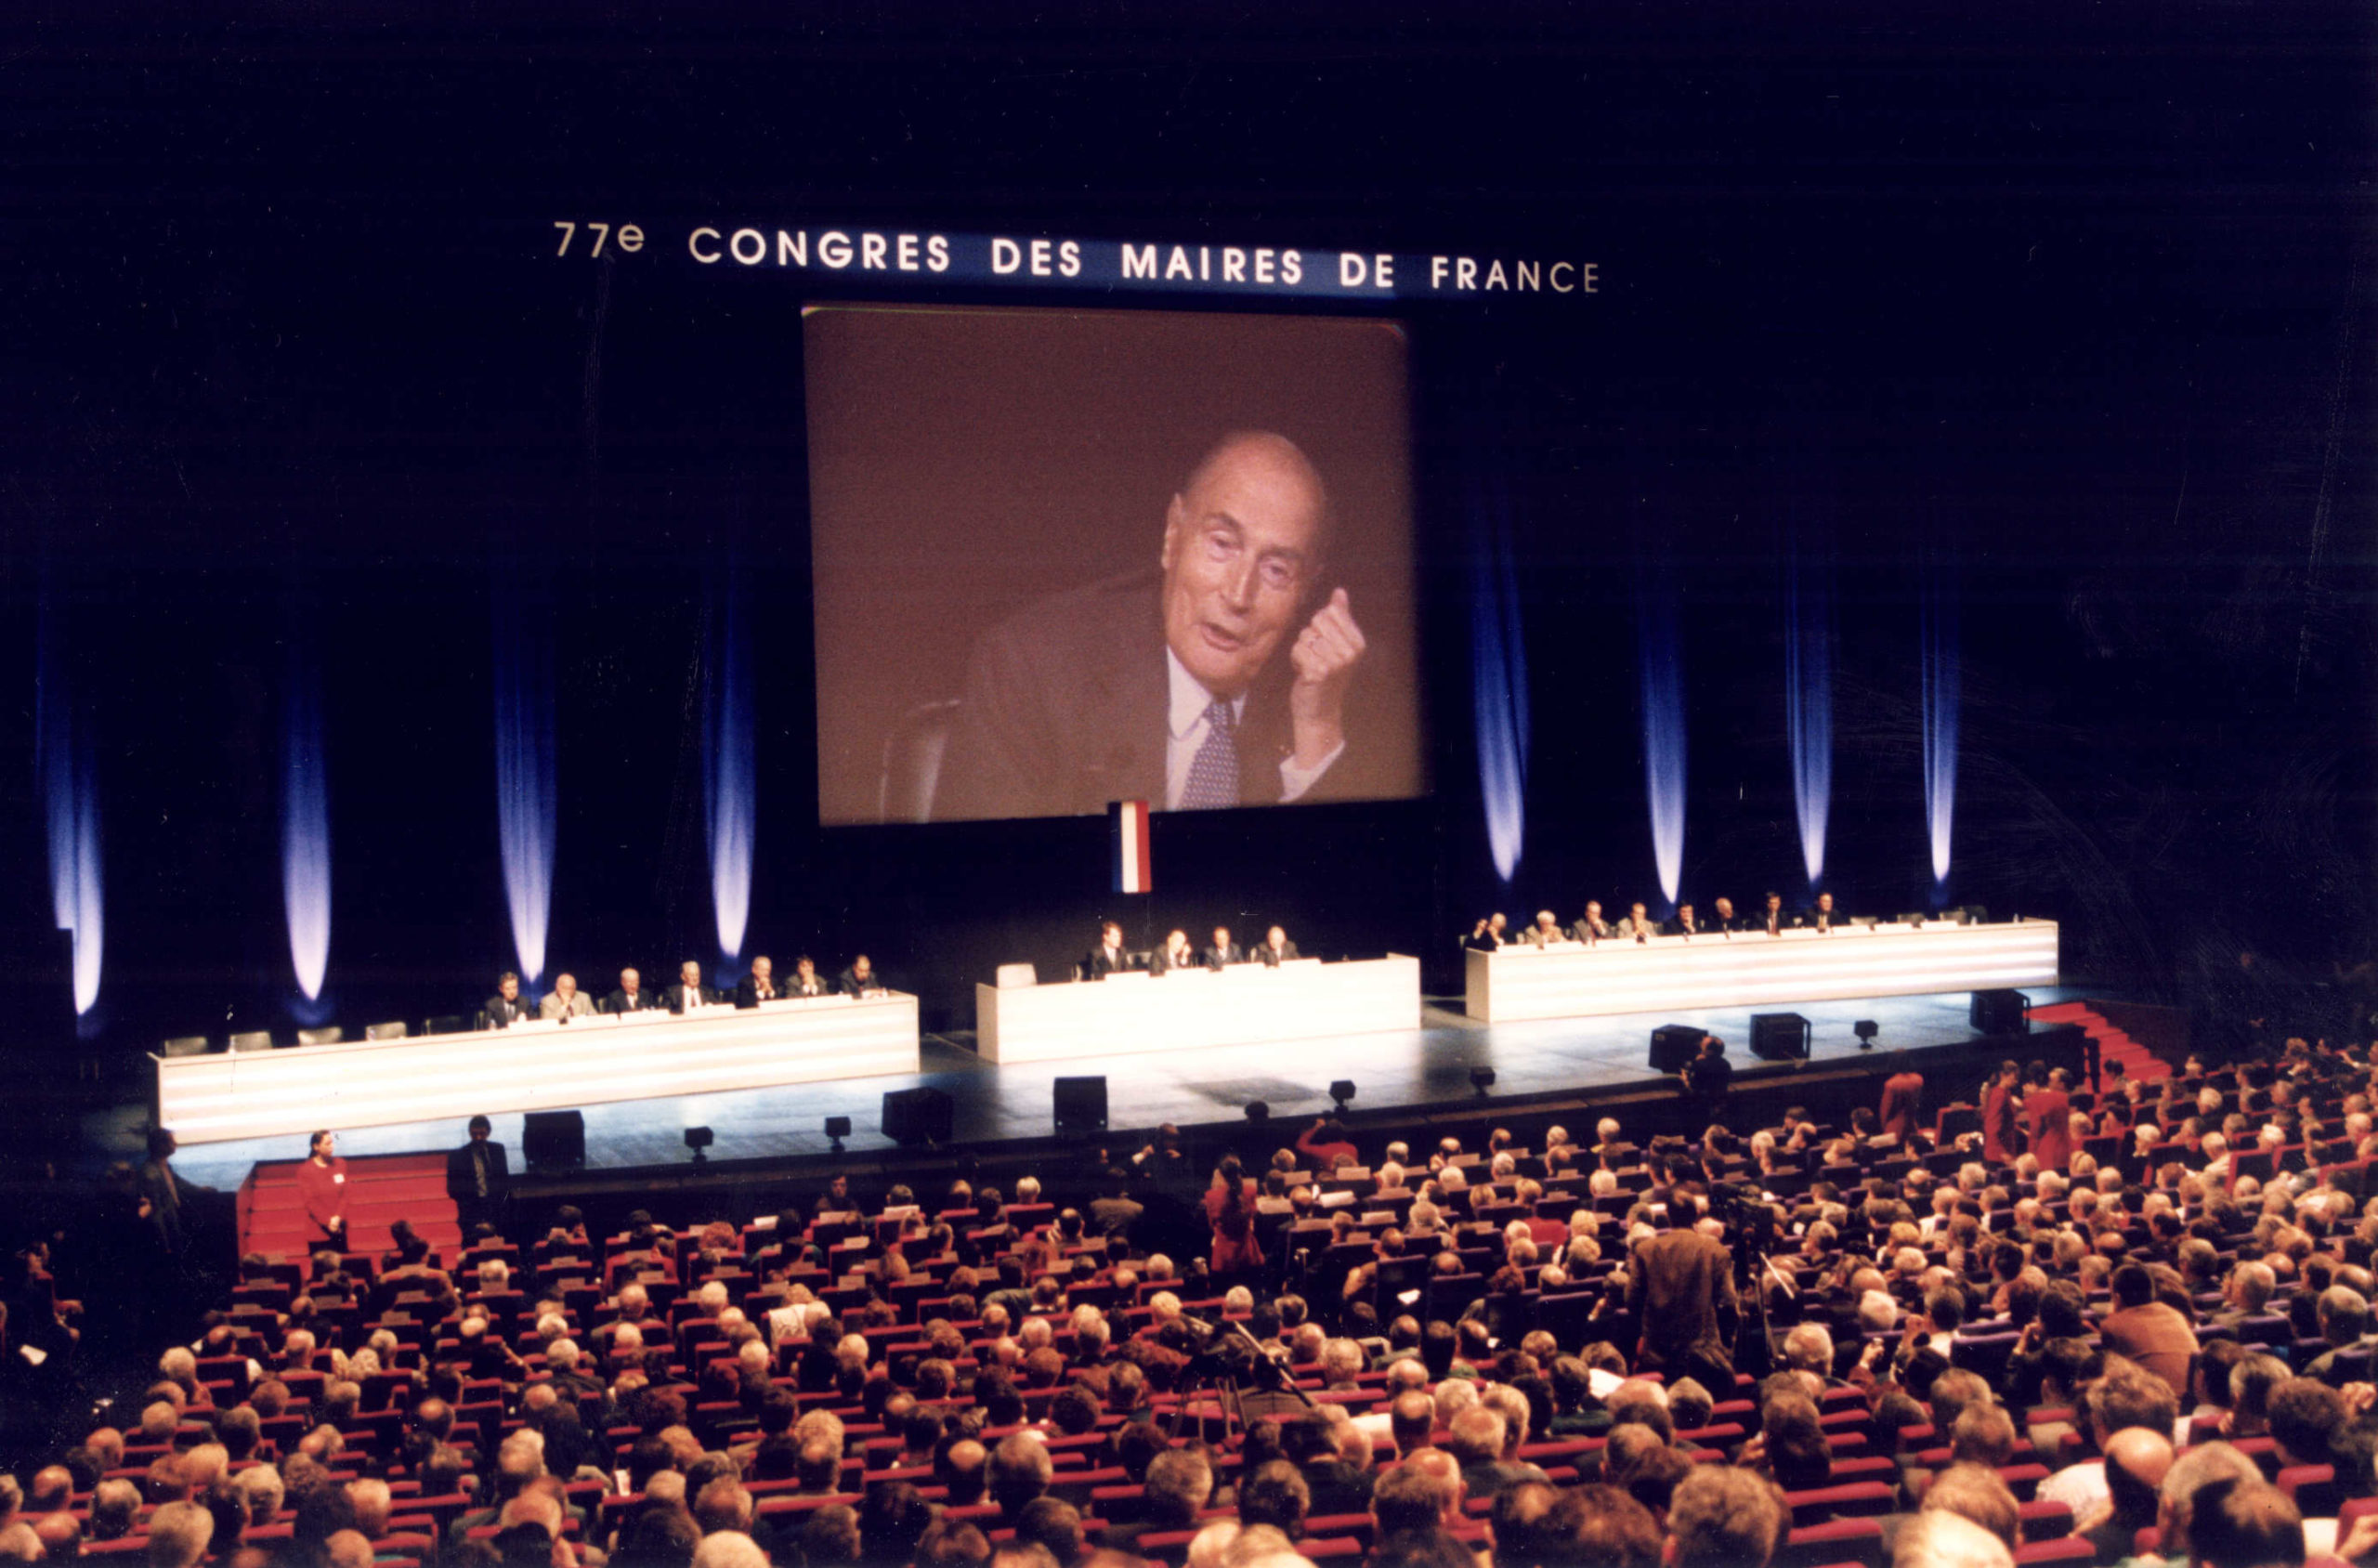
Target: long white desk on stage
(1681,974)
(1193,1009)
(534,1066)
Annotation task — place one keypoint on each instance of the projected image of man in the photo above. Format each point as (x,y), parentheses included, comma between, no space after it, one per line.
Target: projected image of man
(1220,682)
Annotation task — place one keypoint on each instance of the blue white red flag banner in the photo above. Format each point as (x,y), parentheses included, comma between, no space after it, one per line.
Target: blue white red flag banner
(1128,821)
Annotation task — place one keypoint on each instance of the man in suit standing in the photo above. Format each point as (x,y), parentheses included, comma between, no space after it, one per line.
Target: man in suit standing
(1108,957)
(1276,948)
(631,996)
(1680,1287)
(806,981)
(1172,690)
(478,1176)
(860,979)
(1224,952)
(566,1001)
(507,1007)
(690,994)
(759,986)
(2047,1116)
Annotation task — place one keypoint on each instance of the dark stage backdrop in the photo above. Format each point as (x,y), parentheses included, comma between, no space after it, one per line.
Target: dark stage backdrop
(2025,318)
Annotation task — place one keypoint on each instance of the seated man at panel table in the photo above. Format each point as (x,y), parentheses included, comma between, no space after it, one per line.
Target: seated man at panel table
(1176,953)
(759,986)
(1487,934)
(1820,916)
(631,996)
(1546,931)
(1592,927)
(566,1001)
(1224,951)
(1776,919)
(1638,925)
(1110,956)
(1276,950)
(806,981)
(507,1007)
(860,979)
(690,994)
(1686,924)
(1722,918)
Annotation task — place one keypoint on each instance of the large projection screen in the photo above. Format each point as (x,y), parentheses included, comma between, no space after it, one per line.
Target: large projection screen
(1067,557)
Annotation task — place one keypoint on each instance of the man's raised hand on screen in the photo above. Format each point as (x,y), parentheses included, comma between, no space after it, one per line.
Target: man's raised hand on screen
(1323,656)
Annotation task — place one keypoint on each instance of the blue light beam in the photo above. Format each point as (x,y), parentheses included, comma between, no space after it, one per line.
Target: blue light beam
(523,765)
(1808,702)
(728,791)
(1499,679)
(305,821)
(1941,693)
(1660,657)
(67,775)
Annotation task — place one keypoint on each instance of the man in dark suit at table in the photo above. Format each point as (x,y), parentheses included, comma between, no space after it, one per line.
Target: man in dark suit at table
(1775,920)
(1722,916)
(478,1175)
(690,994)
(1223,953)
(507,1007)
(1172,689)
(1109,956)
(860,979)
(759,986)
(1686,924)
(1821,917)
(631,996)
(1276,950)
(806,981)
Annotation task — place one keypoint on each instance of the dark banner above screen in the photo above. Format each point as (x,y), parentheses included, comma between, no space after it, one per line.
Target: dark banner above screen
(896,257)
(1068,558)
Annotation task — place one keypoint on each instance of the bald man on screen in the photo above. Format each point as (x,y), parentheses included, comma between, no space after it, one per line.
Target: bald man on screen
(1221,680)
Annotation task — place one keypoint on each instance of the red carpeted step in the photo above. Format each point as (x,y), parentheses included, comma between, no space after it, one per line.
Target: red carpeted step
(2113,1044)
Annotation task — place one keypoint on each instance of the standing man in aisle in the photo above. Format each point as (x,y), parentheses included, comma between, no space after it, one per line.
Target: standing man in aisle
(478,1178)
(322,1185)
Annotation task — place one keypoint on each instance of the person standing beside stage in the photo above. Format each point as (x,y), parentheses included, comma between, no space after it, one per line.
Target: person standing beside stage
(1903,1103)
(1709,1075)
(478,1176)
(1230,1209)
(2049,1114)
(321,1186)
(2001,1104)
(1679,1284)
(566,1001)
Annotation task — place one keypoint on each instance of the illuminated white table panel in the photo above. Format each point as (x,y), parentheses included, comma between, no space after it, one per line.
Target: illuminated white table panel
(1194,1009)
(533,1068)
(1680,973)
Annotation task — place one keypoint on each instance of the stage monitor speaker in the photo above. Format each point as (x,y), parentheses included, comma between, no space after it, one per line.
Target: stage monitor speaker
(1673,1045)
(2001,1012)
(1081,1106)
(917,1115)
(1779,1037)
(554,1139)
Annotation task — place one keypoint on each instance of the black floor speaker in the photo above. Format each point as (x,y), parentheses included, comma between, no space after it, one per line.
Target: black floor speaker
(1081,1106)
(1779,1037)
(554,1139)
(2001,1012)
(1673,1045)
(917,1115)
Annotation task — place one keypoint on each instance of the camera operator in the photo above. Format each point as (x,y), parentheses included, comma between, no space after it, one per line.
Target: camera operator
(1680,1287)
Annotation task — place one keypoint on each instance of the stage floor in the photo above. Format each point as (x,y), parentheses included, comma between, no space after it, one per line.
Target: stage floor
(1425,1066)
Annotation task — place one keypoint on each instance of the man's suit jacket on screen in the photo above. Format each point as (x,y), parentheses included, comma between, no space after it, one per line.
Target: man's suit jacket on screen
(1066,708)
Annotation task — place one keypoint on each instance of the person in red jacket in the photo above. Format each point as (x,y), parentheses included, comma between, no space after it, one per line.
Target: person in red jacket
(1230,1209)
(1322,1141)
(321,1184)
(2000,1105)
(1903,1103)
(2048,1114)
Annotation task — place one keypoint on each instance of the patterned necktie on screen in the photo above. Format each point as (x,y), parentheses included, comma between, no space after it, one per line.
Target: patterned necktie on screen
(1213,772)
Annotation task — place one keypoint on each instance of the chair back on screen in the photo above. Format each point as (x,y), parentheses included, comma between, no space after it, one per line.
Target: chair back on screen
(253,1040)
(912,755)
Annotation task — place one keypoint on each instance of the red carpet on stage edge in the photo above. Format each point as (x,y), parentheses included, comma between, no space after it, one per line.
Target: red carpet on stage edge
(2113,1044)
(381,1189)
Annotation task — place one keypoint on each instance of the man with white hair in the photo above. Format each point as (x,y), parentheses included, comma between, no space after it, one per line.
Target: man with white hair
(1808,1348)
(179,1533)
(729,1548)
